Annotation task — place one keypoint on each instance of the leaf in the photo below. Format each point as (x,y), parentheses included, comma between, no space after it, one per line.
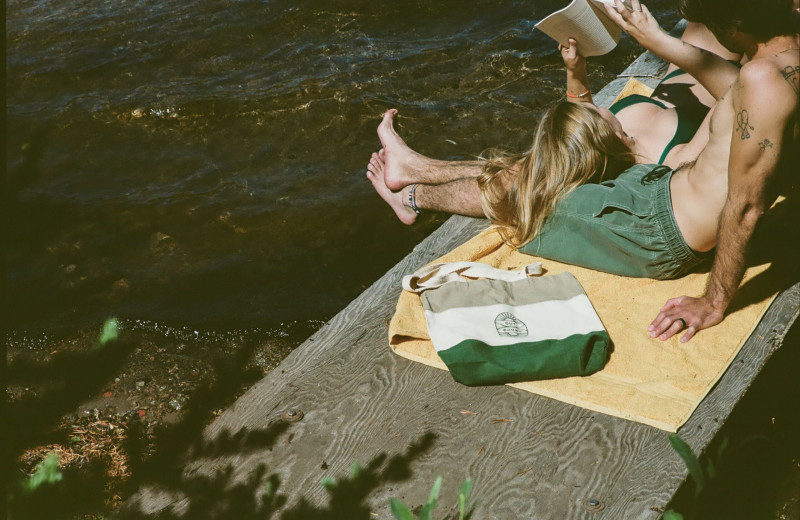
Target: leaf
(710,470)
(328,482)
(355,470)
(47,472)
(437,486)
(722,449)
(690,459)
(267,490)
(110,331)
(463,497)
(466,488)
(426,513)
(400,510)
(672,515)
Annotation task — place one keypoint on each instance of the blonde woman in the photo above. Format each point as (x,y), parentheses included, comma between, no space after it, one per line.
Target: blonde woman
(578,196)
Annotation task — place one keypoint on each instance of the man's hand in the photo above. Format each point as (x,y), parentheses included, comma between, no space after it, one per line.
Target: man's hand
(572,58)
(693,314)
(638,22)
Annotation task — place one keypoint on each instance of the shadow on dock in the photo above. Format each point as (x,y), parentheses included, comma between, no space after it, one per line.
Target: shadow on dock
(158,462)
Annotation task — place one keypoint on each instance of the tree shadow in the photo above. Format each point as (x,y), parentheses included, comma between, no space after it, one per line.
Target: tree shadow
(156,460)
(222,495)
(71,378)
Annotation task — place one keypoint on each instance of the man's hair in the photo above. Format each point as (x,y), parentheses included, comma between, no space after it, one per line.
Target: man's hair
(572,145)
(763,19)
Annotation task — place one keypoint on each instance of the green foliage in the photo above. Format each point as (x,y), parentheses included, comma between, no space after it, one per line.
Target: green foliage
(46,472)
(110,332)
(426,513)
(702,472)
(402,512)
(463,497)
(691,461)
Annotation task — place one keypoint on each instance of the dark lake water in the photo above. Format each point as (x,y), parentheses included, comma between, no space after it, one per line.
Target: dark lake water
(199,165)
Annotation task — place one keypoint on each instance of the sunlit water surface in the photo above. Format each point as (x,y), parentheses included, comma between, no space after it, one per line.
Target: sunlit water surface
(199,165)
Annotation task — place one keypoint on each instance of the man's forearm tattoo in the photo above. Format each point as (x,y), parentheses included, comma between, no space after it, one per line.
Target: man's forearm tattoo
(790,74)
(743,124)
(765,144)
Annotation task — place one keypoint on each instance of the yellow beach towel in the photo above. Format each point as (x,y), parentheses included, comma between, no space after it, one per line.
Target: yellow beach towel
(646,380)
(634,86)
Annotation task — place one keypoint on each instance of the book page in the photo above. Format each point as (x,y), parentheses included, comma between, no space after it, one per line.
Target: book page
(613,29)
(579,20)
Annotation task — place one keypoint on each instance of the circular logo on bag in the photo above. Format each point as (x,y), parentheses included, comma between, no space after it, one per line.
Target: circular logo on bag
(509,325)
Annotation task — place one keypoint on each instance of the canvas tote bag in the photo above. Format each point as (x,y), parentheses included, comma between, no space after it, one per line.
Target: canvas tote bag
(492,326)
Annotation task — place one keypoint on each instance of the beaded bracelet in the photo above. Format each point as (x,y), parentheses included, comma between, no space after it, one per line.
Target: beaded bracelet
(412,201)
(578,95)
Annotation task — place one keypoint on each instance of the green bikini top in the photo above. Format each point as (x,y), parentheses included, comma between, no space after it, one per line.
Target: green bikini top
(689,119)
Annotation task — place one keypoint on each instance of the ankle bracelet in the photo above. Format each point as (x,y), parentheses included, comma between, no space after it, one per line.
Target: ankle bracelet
(412,200)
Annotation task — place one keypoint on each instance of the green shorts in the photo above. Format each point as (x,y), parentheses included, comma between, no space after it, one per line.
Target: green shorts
(624,226)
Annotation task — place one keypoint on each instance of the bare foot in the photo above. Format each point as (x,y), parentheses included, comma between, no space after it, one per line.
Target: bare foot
(376,173)
(402,164)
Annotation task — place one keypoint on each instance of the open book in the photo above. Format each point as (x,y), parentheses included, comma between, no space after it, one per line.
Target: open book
(587,22)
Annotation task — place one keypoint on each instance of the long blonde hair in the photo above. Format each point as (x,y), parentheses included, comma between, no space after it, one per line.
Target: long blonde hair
(572,145)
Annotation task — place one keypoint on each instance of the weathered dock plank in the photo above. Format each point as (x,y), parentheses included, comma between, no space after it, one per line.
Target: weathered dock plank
(543,459)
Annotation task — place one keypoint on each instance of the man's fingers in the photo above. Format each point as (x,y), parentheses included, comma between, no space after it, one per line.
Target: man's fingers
(690,332)
(655,322)
(636,6)
(660,325)
(674,328)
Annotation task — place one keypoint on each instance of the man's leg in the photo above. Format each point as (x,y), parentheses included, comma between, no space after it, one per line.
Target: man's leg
(460,196)
(403,166)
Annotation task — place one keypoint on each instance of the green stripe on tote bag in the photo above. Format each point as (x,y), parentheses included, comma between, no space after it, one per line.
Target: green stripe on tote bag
(495,331)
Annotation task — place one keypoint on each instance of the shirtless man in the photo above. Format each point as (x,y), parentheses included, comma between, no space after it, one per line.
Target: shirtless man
(720,197)
(752,144)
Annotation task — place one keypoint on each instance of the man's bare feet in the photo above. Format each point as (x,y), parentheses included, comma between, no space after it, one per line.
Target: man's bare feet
(376,173)
(402,164)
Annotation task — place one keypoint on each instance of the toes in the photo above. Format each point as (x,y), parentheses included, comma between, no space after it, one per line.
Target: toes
(388,120)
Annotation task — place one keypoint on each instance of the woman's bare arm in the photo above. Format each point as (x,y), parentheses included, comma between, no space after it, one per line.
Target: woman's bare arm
(577,81)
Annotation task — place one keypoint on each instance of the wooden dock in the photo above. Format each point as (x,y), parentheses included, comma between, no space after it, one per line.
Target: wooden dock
(350,399)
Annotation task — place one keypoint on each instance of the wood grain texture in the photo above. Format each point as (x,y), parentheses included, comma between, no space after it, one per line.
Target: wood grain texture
(529,456)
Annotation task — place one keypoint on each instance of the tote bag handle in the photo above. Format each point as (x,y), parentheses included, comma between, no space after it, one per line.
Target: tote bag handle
(435,275)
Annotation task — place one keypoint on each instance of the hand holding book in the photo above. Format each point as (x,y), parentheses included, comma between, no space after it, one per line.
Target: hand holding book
(577,82)
(588,22)
(572,58)
(636,21)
